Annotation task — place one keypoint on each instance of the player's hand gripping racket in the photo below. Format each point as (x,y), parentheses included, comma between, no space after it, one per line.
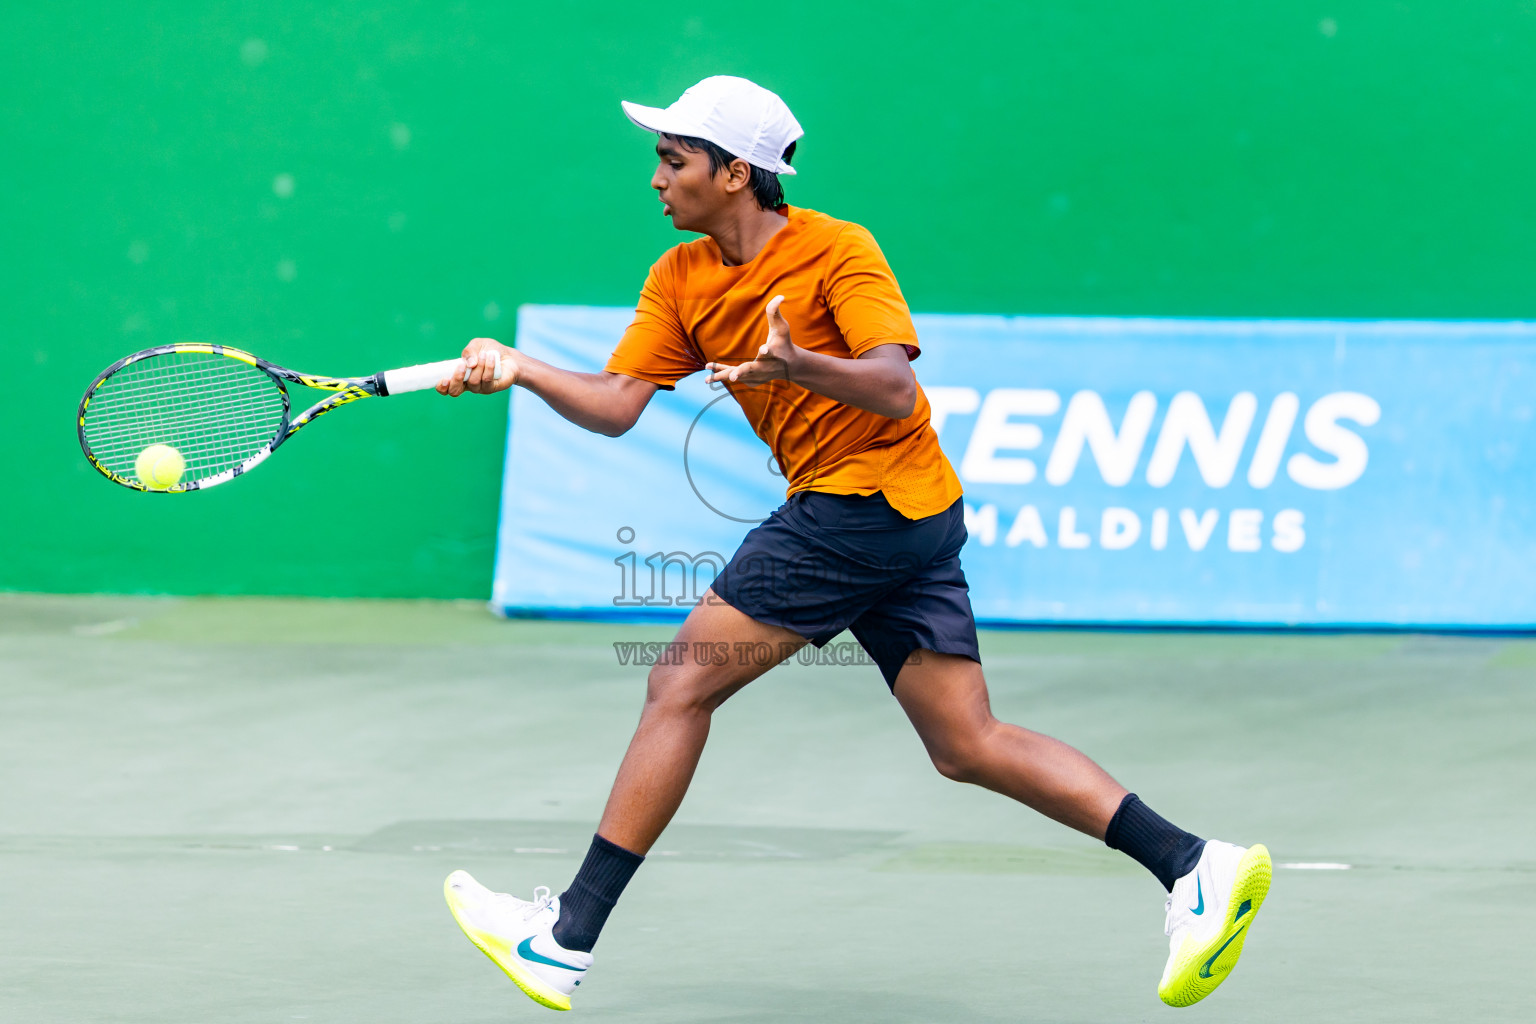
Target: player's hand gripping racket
(190,416)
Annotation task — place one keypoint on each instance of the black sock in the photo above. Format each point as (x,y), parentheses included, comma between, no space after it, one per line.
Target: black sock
(1157,845)
(584,907)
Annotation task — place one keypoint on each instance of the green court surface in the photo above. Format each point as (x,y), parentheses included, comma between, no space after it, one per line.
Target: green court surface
(234,810)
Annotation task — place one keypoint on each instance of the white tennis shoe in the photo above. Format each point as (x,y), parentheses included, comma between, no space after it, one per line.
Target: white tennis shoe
(516,935)
(1210,912)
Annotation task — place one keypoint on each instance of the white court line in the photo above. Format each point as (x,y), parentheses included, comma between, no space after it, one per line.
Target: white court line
(103,628)
(1315,866)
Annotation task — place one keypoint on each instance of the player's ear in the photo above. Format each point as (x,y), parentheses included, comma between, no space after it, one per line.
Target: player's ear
(738,175)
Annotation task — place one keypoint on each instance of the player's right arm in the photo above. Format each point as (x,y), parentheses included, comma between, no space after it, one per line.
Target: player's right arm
(653,353)
(605,403)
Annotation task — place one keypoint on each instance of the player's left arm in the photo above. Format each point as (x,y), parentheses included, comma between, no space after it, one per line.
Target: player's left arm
(879,381)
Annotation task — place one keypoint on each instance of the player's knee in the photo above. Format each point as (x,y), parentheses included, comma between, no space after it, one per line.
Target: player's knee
(960,762)
(964,756)
(678,689)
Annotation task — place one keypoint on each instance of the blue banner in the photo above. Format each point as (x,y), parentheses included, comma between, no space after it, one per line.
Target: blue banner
(1203,472)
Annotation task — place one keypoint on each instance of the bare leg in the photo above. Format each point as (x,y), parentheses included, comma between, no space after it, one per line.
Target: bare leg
(945,696)
(679,700)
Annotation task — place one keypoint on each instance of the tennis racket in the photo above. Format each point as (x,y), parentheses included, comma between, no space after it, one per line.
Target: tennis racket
(224,410)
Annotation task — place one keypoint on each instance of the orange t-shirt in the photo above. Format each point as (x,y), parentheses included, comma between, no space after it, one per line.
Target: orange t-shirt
(840,299)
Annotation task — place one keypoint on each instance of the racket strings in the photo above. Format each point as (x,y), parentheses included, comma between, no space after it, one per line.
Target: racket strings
(216,410)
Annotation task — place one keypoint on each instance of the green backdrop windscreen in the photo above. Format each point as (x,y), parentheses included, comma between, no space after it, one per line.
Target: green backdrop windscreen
(347,190)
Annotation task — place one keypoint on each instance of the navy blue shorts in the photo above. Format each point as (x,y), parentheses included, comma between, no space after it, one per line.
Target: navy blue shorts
(823,563)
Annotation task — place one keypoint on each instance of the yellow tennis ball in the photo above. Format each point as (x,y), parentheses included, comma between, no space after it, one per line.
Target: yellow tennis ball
(159,466)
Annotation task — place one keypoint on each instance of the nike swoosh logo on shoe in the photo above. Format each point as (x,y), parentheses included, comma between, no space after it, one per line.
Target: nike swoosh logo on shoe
(525,950)
(1205,968)
(1200,907)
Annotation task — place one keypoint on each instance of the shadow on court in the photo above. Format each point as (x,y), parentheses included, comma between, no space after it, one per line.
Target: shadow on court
(242,810)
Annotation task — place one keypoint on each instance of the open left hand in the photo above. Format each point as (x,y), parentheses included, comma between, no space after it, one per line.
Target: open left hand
(775,360)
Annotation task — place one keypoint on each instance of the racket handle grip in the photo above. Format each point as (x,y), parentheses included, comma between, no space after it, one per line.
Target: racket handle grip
(426,375)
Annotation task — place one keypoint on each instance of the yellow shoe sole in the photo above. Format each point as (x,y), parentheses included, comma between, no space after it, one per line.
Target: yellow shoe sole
(502,956)
(1200,968)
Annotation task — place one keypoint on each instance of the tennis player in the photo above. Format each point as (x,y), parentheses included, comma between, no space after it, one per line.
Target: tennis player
(799,315)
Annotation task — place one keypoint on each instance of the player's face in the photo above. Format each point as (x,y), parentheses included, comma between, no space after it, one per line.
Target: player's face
(690,195)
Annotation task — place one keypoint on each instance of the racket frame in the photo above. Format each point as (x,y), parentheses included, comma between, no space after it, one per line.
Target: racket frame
(347,390)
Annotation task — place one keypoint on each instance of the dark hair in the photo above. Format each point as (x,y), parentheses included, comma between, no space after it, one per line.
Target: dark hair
(764,184)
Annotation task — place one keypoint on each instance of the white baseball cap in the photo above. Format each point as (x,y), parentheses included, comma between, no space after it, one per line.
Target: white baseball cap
(739,116)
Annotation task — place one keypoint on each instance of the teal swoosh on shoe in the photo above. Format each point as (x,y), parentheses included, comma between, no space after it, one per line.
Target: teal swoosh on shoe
(1205,968)
(525,950)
